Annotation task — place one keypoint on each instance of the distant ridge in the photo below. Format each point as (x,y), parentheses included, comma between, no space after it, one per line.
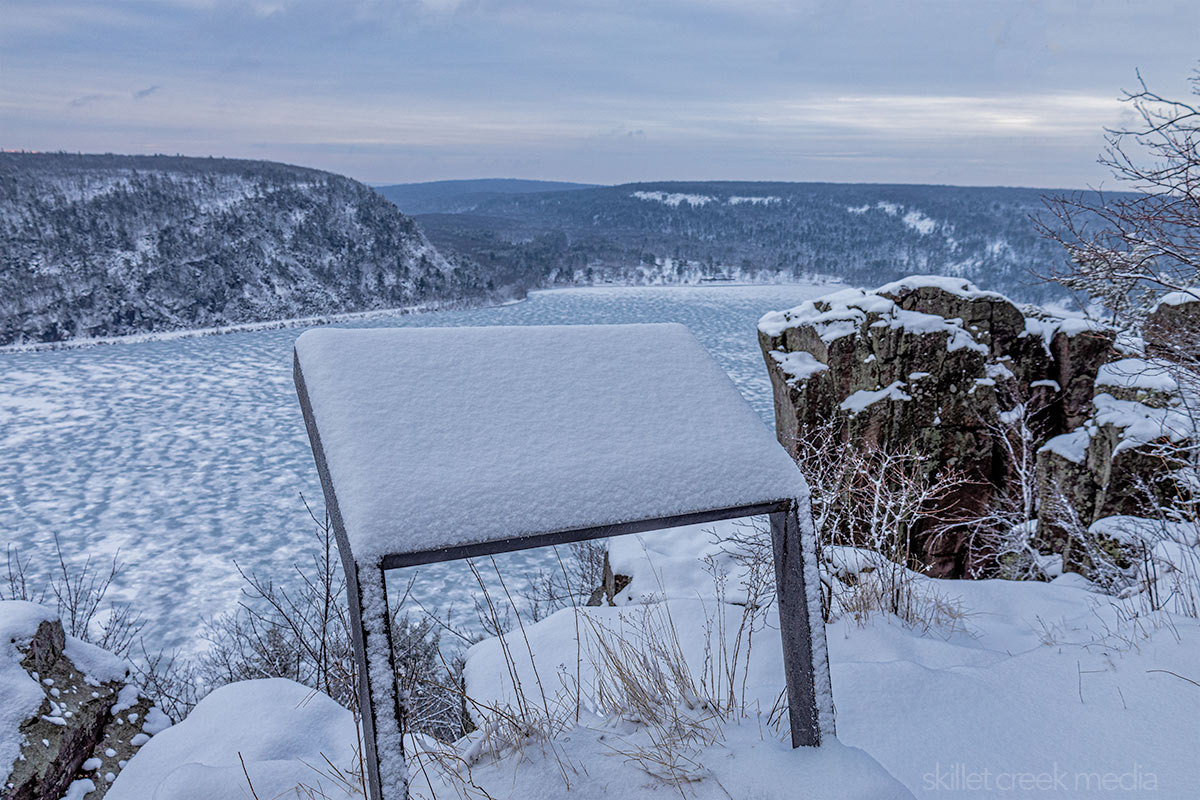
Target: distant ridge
(704,231)
(108,245)
(449,197)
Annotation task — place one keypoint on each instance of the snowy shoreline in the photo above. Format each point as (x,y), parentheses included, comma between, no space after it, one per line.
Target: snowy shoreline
(245,327)
(353,316)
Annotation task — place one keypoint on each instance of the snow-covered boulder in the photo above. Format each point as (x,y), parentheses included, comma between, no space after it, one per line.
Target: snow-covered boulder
(66,709)
(928,364)
(272,735)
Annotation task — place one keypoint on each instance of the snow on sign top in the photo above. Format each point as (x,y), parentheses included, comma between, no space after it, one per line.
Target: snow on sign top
(444,437)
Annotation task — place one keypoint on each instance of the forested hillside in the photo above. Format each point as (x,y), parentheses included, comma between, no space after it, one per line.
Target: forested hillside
(95,245)
(442,197)
(686,232)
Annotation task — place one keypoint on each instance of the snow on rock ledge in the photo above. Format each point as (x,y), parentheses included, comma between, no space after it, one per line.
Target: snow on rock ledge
(1132,441)
(66,707)
(926,364)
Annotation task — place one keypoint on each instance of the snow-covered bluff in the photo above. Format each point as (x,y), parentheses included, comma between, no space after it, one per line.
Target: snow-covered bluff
(934,366)
(102,245)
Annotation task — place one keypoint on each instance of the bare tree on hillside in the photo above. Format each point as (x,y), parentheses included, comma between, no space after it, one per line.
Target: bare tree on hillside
(1126,250)
(1129,252)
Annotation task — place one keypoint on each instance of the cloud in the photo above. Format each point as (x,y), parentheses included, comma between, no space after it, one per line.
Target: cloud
(637,89)
(938,116)
(83,100)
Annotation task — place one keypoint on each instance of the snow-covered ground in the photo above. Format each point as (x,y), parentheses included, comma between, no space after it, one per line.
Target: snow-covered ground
(282,740)
(1046,679)
(188,454)
(1024,690)
(1021,680)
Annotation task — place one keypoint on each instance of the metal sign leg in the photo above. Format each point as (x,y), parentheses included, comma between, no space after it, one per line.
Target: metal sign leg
(804,657)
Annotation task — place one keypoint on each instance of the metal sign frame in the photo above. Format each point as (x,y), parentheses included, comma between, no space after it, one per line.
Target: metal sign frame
(802,666)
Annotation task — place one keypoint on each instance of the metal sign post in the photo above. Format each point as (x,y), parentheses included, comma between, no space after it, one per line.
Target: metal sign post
(357,395)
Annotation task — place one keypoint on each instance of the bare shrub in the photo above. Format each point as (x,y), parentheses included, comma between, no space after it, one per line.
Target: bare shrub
(1125,250)
(302,633)
(873,499)
(1001,538)
(1108,567)
(169,679)
(870,496)
(863,584)
(1170,566)
(79,592)
(18,580)
(724,672)
(570,584)
(431,680)
(1151,564)
(1162,555)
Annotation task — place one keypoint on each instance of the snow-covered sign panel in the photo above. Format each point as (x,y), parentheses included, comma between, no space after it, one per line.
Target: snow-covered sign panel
(436,444)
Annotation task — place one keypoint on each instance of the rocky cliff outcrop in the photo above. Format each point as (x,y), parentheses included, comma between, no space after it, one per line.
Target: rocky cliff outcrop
(70,718)
(1124,457)
(934,366)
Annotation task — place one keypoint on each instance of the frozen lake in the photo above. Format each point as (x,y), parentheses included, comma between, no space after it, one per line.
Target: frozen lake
(190,454)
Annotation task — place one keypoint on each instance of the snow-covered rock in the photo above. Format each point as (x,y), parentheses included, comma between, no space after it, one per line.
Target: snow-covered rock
(1124,458)
(927,364)
(273,736)
(67,708)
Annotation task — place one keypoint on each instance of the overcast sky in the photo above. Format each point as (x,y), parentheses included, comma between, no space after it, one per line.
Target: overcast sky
(1012,92)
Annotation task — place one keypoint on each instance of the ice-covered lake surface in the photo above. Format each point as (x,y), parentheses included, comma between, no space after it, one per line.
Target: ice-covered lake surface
(189,454)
